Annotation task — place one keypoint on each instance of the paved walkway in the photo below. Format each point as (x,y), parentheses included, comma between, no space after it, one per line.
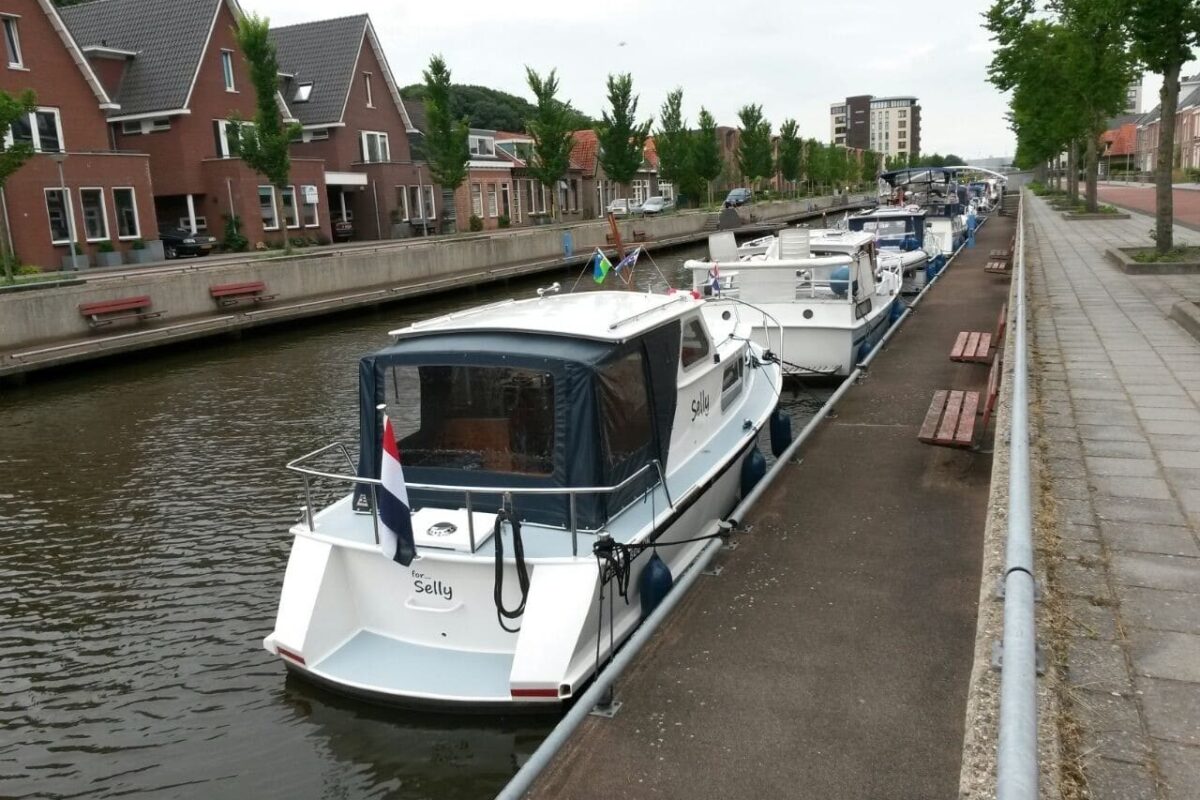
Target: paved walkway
(1119,388)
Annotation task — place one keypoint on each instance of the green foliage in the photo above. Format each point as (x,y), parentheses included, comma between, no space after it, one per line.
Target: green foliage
(503,221)
(234,242)
(706,148)
(475,224)
(622,137)
(105,247)
(789,150)
(265,145)
(677,148)
(446,134)
(138,244)
(550,126)
(12,158)
(492,109)
(754,156)
(818,163)
(1150,256)
(870,166)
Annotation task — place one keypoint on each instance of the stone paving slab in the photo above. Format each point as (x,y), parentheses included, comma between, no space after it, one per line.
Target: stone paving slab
(1112,368)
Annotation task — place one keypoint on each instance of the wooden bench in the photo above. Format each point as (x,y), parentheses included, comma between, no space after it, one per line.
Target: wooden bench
(637,236)
(951,419)
(106,312)
(997,268)
(977,346)
(231,294)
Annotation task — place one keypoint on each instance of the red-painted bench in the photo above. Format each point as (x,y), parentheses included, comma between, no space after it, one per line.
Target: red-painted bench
(231,294)
(951,419)
(106,312)
(977,346)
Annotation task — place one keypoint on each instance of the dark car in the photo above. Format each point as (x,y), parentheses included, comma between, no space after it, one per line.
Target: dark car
(182,242)
(737,197)
(343,230)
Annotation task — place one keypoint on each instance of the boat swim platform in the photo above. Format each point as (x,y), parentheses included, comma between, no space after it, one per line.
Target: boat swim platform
(831,657)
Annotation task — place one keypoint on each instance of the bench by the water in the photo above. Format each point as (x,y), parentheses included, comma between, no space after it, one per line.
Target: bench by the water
(106,312)
(1000,261)
(977,346)
(951,419)
(232,294)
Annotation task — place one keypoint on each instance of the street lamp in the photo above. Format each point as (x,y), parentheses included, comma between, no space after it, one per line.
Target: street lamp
(59,157)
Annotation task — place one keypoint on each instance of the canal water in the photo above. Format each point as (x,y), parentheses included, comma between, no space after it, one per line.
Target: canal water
(143,518)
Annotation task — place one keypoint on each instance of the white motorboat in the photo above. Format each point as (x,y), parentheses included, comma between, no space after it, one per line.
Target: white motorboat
(899,233)
(756,247)
(820,304)
(547,444)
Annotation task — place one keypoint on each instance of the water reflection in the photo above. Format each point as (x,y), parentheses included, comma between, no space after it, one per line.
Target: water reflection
(143,515)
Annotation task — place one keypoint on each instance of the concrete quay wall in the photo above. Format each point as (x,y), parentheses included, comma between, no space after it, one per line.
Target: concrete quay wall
(48,315)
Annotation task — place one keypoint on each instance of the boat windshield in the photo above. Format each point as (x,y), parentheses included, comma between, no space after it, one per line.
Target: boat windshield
(886,227)
(492,419)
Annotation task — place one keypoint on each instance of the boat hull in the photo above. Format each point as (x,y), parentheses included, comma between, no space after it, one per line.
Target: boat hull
(816,351)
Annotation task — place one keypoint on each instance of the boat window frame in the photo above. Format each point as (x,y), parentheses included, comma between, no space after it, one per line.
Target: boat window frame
(703,356)
(731,391)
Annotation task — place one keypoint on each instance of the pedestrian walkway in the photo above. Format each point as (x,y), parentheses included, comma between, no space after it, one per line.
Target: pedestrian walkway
(1118,387)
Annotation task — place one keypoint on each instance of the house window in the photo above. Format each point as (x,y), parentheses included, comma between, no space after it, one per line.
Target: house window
(308,206)
(95,216)
(476,199)
(266,204)
(127,215)
(303,93)
(227,70)
(375,148)
(201,223)
(402,202)
(574,194)
(505,201)
(414,203)
(666,190)
(288,196)
(12,42)
(160,124)
(131,127)
(57,209)
(428,210)
(492,205)
(482,146)
(367,89)
(227,134)
(42,130)
(317,135)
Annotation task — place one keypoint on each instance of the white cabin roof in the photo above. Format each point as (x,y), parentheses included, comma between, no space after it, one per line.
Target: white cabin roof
(840,241)
(602,316)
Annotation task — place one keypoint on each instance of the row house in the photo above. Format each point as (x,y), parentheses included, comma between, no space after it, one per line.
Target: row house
(486,194)
(533,199)
(597,190)
(175,70)
(336,82)
(1187,130)
(78,193)
(1119,146)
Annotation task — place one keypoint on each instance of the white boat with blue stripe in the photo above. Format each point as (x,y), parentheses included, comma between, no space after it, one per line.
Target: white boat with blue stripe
(564,457)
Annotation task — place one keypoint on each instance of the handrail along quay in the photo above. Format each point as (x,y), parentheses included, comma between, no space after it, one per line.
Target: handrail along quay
(1017,755)
(602,683)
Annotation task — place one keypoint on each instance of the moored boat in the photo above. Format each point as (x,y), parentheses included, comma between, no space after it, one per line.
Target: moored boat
(552,449)
(899,233)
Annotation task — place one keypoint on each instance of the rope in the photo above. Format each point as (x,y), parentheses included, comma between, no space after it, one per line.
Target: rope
(502,613)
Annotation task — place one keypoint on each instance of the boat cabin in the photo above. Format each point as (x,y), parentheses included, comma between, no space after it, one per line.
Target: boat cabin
(578,393)
(896,228)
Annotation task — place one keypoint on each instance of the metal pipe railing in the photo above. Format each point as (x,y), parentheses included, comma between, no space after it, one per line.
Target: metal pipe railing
(1017,757)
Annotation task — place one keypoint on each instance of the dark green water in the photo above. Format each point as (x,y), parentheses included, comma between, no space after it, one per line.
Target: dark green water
(143,518)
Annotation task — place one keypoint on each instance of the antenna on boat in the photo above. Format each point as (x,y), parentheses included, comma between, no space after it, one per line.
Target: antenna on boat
(551,289)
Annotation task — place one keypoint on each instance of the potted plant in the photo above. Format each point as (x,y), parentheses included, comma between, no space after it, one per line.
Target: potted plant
(475,224)
(503,221)
(401,228)
(107,255)
(139,254)
(76,260)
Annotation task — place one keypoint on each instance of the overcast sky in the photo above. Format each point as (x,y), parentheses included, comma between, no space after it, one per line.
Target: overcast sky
(795,57)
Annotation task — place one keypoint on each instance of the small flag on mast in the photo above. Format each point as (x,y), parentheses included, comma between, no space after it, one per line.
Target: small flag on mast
(714,279)
(629,260)
(395,516)
(600,266)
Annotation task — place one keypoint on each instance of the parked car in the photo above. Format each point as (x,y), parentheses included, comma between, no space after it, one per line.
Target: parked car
(623,207)
(738,197)
(657,205)
(343,230)
(182,242)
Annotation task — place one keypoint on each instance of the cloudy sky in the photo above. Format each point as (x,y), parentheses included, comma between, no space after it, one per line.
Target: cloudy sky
(794,57)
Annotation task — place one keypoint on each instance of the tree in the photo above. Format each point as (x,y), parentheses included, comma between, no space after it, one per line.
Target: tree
(870,166)
(674,144)
(550,128)
(265,145)
(818,164)
(622,137)
(1162,35)
(706,150)
(954,161)
(789,151)
(492,109)
(446,135)
(754,145)
(12,158)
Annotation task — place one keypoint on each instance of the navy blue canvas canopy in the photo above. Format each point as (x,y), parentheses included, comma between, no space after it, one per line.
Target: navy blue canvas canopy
(582,409)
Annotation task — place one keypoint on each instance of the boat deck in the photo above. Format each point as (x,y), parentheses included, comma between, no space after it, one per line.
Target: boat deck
(831,657)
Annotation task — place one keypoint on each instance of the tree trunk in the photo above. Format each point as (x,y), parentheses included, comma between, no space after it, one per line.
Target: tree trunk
(278,200)
(1093,166)
(5,256)
(1073,172)
(1164,199)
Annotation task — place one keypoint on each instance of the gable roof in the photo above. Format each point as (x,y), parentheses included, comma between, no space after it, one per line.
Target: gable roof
(323,53)
(1121,141)
(89,75)
(326,53)
(169,37)
(586,151)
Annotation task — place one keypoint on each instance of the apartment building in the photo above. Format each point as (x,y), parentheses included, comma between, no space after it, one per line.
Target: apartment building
(887,125)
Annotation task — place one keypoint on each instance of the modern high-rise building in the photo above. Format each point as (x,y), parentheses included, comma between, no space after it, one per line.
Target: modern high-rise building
(888,125)
(1133,97)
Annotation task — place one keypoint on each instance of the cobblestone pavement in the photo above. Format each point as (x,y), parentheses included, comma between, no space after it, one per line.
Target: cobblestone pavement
(1119,385)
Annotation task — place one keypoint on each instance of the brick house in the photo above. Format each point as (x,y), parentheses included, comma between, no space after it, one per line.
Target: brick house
(487,191)
(175,69)
(529,194)
(336,81)
(597,189)
(107,195)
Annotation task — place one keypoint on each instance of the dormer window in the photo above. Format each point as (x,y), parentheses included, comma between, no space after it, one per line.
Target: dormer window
(227,70)
(12,43)
(303,92)
(483,146)
(367,89)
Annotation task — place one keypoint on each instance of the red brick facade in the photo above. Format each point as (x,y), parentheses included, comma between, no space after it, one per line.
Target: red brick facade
(90,164)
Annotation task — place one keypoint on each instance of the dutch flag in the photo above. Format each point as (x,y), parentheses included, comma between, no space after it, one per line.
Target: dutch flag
(714,279)
(395,517)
